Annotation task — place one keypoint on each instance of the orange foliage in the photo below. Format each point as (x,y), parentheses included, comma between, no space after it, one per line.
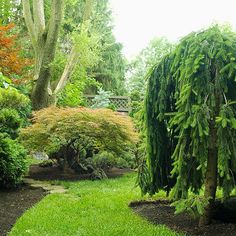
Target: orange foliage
(11,62)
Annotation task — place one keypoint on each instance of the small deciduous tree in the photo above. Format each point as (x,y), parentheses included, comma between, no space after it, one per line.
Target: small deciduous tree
(12,64)
(190,115)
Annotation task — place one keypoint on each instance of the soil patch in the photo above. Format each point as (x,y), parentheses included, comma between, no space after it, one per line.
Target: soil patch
(54,173)
(13,203)
(160,212)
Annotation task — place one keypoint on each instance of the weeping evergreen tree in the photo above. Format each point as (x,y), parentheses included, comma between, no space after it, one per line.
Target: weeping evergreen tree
(190,119)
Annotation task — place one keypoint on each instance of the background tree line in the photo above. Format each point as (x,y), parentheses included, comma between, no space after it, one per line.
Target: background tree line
(72,48)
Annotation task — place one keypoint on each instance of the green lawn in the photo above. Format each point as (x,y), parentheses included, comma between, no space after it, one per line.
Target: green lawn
(89,208)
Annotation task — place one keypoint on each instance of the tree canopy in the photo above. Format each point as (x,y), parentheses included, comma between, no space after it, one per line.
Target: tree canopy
(144,61)
(12,63)
(110,71)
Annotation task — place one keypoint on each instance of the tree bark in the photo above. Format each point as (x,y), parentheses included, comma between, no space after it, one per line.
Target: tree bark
(211,177)
(212,160)
(41,95)
(44,40)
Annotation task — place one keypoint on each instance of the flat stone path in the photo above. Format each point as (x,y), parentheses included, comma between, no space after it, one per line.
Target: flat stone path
(51,188)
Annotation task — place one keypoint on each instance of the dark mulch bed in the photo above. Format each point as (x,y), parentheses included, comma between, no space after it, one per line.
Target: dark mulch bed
(13,203)
(54,173)
(160,212)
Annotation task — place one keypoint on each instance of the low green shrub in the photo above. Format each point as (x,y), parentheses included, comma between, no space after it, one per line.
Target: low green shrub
(122,163)
(12,161)
(12,154)
(131,158)
(104,160)
(9,122)
(11,98)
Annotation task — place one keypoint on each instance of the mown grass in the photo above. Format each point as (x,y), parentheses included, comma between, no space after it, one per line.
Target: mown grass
(98,208)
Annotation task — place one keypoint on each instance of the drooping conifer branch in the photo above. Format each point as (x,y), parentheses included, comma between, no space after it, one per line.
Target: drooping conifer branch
(190,125)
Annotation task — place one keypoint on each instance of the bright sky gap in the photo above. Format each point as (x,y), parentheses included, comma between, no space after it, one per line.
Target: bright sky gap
(136,22)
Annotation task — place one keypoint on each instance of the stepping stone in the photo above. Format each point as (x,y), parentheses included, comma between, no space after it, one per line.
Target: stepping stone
(45,185)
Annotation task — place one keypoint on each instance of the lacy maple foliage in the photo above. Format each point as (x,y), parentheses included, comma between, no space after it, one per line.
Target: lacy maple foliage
(12,64)
(55,127)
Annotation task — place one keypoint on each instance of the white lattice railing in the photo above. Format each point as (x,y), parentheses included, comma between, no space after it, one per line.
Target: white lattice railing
(122,103)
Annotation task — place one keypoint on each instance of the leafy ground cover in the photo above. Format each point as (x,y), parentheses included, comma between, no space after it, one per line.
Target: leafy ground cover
(89,208)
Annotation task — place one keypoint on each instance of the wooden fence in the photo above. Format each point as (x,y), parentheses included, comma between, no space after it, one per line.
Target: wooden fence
(122,103)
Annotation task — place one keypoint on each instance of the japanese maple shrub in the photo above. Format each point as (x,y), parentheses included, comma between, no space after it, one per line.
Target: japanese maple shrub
(74,135)
(12,63)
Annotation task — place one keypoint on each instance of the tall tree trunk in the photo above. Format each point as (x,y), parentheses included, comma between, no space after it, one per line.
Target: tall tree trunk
(212,160)
(44,40)
(211,177)
(40,95)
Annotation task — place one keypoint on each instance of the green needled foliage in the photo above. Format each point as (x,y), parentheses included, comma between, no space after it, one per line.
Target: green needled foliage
(190,115)
(159,99)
